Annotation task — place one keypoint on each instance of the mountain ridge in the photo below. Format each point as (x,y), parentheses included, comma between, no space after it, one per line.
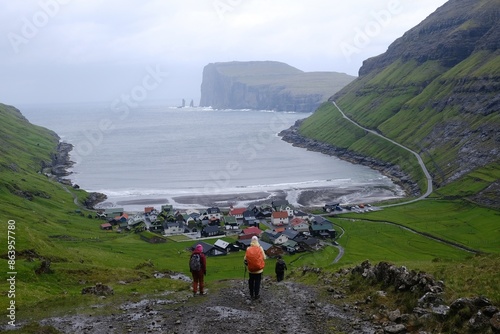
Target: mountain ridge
(435,90)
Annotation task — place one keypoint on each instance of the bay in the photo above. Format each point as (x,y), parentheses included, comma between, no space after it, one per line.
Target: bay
(192,157)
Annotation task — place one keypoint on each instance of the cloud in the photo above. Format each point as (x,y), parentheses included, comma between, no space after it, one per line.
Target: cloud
(103,47)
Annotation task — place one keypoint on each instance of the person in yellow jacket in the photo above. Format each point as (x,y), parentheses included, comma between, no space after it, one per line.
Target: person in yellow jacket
(254,260)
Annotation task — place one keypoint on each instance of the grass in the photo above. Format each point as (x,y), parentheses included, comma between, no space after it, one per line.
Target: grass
(457,221)
(50,226)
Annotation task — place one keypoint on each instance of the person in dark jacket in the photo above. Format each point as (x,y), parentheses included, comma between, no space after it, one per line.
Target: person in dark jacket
(198,274)
(280,268)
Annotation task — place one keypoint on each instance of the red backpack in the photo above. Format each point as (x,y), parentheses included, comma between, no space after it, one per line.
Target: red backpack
(255,259)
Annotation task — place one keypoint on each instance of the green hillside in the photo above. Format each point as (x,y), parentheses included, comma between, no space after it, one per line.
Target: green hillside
(50,228)
(443,105)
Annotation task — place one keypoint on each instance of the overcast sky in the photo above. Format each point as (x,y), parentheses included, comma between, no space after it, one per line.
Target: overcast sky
(84,51)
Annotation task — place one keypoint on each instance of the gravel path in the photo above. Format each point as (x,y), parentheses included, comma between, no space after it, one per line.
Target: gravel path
(285,307)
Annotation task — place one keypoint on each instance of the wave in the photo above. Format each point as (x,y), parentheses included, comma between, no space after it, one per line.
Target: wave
(346,183)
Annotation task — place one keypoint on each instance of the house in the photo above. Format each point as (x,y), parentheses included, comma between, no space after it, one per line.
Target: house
(156,227)
(173,228)
(231,223)
(122,218)
(290,246)
(299,225)
(244,243)
(213,212)
(119,219)
(210,231)
(278,204)
(210,250)
(249,218)
(148,210)
(106,227)
(301,215)
(309,244)
(248,233)
(279,218)
(322,228)
(135,220)
(302,227)
(237,213)
(273,237)
(113,212)
(291,234)
(214,221)
(167,208)
(288,208)
(225,246)
(188,218)
(123,226)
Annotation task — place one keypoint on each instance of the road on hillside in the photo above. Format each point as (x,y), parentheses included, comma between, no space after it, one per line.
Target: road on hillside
(419,159)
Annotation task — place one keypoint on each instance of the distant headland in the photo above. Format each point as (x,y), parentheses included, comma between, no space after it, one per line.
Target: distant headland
(267,85)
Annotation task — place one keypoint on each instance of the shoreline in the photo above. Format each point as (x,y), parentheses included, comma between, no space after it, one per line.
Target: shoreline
(315,197)
(394,172)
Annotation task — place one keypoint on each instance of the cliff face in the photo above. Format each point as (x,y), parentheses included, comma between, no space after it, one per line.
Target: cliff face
(436,90)
(267,85)
(449,36)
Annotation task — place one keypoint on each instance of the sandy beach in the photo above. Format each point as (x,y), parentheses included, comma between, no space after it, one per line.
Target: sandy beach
(300,198)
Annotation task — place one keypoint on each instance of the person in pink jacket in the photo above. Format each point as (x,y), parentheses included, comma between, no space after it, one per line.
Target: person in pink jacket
(198,268)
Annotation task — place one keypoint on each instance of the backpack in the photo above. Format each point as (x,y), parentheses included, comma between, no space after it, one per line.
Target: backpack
(195,262)
(254,258)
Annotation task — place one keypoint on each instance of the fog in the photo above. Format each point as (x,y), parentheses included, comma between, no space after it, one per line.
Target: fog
(62,51)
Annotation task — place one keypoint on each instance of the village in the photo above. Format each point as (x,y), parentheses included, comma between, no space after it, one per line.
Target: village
(280,227)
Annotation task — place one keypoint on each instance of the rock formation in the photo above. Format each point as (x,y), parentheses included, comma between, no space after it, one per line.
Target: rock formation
(267,85)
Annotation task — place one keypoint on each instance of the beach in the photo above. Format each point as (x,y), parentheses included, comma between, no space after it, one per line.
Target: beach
(305,198)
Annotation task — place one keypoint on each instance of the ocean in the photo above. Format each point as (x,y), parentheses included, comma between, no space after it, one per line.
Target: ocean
(190,157)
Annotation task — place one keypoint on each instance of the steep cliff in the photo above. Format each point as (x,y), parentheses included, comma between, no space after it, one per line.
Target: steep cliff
(435,90)
(267,85)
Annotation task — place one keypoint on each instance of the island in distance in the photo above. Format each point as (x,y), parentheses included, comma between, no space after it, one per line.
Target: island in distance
(267,85)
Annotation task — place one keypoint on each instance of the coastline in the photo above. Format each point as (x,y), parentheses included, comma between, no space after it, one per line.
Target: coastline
(304,198)
(59,168)
(394,172)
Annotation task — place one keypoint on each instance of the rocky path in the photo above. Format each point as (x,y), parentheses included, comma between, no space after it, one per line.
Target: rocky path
(285,307)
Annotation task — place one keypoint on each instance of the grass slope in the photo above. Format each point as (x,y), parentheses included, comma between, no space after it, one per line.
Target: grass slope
(421,107)
(50,227)
(284,77)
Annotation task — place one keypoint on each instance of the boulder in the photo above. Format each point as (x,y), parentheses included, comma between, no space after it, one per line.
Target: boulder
(495,323)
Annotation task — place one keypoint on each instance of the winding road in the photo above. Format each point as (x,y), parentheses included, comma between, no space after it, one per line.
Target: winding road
(419,159)
(425,195)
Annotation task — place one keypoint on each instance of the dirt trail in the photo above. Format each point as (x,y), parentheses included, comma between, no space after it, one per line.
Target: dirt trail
(285,307)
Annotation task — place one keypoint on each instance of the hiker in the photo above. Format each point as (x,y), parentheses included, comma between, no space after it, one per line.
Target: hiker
(280,269)
(198,268)
(254,260)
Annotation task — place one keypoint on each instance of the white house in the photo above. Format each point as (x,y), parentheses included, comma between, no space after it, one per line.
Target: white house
(279,218)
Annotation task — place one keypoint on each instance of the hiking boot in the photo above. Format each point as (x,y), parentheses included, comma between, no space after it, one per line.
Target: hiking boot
(203,293)
(194,294)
